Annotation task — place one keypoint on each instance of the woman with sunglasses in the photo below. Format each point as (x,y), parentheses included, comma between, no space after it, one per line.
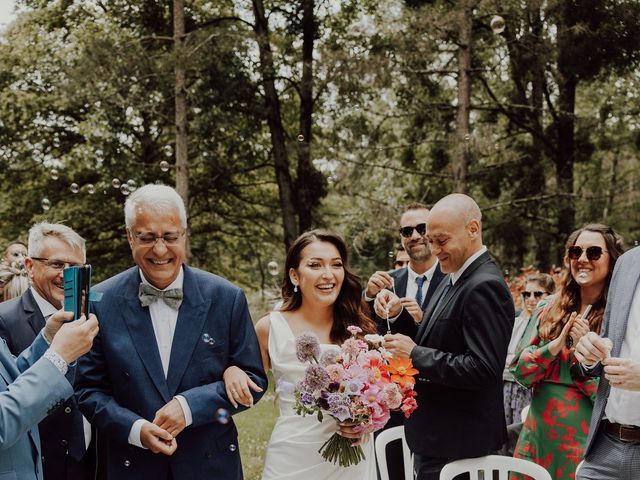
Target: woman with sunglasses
(562,398)
(516,397)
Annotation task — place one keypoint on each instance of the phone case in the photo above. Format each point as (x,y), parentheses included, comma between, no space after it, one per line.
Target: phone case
(77,286)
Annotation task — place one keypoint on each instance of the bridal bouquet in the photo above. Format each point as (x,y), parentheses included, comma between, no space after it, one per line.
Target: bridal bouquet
(361,383)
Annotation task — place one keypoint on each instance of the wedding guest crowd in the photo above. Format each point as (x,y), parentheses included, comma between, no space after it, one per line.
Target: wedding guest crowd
(177,354)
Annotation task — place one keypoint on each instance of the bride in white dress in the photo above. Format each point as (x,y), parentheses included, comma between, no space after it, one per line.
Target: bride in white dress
(320,294)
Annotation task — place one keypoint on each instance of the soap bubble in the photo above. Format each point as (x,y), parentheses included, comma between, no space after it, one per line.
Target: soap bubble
(115,183)
(273,268)
(222,416)
(391,254)
(54,174)
(206,338)
(497,24)
(91,189)
(45,204)
(74,188)
(124,189)
(301,138)
(164,166)
(131,183)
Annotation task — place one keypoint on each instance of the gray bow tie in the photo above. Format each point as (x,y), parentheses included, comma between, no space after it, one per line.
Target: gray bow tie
(149,294)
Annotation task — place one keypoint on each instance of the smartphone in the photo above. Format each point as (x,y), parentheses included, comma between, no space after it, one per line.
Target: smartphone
(77,284)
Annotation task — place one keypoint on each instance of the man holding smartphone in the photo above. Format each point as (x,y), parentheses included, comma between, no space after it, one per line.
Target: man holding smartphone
(65,435)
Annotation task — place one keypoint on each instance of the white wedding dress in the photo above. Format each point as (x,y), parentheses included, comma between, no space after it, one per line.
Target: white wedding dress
(292,452)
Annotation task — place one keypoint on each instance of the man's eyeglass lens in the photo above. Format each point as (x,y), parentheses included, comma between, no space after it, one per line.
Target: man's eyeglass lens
(150,238)
(421,228)
(593,253)
(56,264)
(536,295)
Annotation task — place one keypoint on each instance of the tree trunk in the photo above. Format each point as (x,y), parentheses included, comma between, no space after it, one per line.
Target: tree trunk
(463,132)
(274,120)
(309,180)
(182,159)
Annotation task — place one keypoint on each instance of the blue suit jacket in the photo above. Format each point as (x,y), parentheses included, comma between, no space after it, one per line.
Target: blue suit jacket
(20,322)
(25,399)
(121,379)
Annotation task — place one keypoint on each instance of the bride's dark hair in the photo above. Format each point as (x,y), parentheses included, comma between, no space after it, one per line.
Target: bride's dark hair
(349,308)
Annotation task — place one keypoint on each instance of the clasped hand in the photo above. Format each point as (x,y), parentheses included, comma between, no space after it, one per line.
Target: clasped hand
(159,436)
(386,304)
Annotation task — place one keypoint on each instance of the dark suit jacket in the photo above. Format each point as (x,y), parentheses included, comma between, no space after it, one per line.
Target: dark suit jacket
(626,276)
(20,323)
(405,324)
(460,356)
(121,379)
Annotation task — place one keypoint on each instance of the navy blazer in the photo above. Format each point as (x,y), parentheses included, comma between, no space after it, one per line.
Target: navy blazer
(25,399)
(405,324)
(20,323)
(460,355)
(121,379)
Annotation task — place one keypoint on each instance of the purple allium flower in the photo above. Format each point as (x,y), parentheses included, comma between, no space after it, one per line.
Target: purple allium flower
(315,378)
(329,357)
(339,406)
(307,347)
(307,399)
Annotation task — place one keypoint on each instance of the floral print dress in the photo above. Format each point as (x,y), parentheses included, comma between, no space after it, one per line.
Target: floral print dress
(556,427)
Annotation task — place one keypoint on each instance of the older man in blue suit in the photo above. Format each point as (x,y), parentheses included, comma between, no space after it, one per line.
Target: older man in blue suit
(153,381)
(34,385)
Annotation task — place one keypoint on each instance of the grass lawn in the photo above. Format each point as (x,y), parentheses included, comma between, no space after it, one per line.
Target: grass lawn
(254,430)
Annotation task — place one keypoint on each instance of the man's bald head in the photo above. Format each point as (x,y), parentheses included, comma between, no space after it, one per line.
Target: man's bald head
(461,205)
(454,230)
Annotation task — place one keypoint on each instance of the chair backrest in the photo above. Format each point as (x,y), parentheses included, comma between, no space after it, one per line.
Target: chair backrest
(524,413)
(383,438)
(490,463)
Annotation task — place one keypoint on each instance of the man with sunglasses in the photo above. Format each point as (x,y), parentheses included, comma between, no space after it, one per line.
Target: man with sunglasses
(612,449)
(65,434)
(153,380)
(416,283)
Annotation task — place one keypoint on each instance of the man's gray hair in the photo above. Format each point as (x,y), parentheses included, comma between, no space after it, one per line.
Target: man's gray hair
(158,198)
(42,230)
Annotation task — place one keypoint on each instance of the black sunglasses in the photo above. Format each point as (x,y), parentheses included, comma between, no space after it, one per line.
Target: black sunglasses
(537,295)
(421,228)
(593,253)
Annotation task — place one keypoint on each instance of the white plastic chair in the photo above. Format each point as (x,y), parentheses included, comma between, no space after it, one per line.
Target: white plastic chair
(383,438)
(524,413)
(503,465)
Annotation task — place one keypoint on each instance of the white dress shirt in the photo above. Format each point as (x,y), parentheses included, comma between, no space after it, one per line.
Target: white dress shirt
(456,275)
(47,310)
(164,320)
(412,286)
(623,406)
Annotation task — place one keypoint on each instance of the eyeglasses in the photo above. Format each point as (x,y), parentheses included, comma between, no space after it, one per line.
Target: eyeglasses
(593,253)
(148,238)
(58,265)
(537,295)
(421,228)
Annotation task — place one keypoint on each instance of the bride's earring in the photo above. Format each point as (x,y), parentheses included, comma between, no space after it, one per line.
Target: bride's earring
(295,289)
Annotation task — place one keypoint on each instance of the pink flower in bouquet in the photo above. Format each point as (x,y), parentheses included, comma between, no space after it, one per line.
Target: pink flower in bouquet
(393,395)
(336,372)
(408,406)
(352,347)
